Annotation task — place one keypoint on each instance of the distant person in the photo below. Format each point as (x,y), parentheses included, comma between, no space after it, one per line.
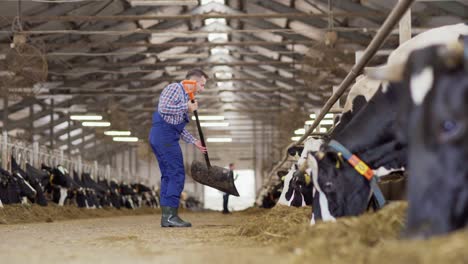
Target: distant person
(226,195)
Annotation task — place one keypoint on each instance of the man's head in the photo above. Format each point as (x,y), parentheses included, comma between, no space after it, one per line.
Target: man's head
(231,166)
(198,75)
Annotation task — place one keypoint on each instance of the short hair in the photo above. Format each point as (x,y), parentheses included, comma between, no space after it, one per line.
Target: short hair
(231,164)
(196,72)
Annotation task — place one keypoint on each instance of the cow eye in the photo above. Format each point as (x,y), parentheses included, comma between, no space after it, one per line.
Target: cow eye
(327,187)
(449,125)
(449,129)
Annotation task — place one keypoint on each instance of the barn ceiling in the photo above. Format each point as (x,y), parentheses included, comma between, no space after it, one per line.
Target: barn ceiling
(271,62)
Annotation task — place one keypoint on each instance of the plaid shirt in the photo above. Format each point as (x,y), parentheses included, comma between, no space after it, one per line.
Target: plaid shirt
(173,107)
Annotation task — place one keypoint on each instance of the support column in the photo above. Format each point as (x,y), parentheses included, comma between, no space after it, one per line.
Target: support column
(5,114)
(61,157)
(137,164)
(405,26)
(68,135)
(5,149)
(31,123)
(51,123)
(35,160)
(108,172)
(82,149)
(80,167)
(96,170)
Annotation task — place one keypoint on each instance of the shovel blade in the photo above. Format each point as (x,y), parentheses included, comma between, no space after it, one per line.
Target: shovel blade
(215,177)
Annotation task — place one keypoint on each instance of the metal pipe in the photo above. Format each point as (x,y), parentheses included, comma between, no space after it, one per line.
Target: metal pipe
(393,18)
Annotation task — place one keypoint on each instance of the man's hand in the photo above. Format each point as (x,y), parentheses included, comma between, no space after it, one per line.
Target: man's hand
(200,147)
(192,106)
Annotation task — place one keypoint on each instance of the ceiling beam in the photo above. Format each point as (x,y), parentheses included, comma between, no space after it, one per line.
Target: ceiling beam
(290,15)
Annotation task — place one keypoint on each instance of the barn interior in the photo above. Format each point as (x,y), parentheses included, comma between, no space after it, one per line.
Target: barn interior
(81,79)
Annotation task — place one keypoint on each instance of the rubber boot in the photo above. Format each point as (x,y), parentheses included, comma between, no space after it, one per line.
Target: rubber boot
(170,218)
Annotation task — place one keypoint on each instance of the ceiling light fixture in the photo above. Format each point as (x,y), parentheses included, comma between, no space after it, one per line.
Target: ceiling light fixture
(96,124)
(125,139)
(162,2)
(86,117)
(117,133)
(219,140)
(215,124)
(209,118)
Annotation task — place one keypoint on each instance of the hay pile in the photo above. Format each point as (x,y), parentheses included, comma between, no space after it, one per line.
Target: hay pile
(370,238)
(374,238)
(277,223)
(349,239)
(14,214)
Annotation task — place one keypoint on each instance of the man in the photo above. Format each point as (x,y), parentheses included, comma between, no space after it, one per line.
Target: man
(169,121)
(226,195)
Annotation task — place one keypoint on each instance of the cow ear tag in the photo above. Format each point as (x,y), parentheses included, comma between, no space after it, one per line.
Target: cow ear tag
(307,178)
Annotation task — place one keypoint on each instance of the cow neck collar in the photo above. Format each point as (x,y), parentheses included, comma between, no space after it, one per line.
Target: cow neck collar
(361,167)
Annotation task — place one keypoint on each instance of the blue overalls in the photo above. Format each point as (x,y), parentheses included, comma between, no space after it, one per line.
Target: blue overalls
(164,139)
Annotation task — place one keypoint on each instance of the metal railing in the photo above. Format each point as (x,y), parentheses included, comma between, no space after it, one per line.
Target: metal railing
(30,152)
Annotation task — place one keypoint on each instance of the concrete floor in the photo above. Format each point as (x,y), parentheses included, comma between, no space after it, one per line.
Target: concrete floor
(134,239)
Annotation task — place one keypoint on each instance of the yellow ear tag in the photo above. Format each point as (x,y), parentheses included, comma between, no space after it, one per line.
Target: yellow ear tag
(307,178)
(340,156)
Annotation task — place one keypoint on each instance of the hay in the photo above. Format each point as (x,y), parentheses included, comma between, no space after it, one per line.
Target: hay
(14,214)
(277,223)
(375,238)
(349,239)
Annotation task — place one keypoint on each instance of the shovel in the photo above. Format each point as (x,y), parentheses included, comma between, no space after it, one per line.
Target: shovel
(213,176)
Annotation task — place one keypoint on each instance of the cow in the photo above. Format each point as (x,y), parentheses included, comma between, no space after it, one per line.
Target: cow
(129,198)
(39,180)
(10,192)
(30,186)
(435,125)
(27,192)
(60,183)
(298,189)
(101,194)
(112,192)
(145,195)
(373,135)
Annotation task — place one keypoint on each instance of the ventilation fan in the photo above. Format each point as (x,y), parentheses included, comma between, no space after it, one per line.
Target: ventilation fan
(23,68)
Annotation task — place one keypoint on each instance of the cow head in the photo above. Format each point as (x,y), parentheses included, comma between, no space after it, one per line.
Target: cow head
(340,190)
(437,134)
(438,142)
(297,189)
(370,133)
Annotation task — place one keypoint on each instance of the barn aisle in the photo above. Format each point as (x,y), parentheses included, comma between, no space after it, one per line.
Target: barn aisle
(134,239)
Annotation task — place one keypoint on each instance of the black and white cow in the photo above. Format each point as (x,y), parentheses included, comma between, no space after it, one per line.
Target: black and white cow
(10,192)
(435,125)
(129,198)
(370,135)
(297,191)
(113,193)
(31,187)
(373,135)
(39,180)
(27,192)
(60,183)
(298,188)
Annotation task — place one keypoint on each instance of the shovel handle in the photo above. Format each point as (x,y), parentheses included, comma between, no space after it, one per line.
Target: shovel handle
(202,138)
